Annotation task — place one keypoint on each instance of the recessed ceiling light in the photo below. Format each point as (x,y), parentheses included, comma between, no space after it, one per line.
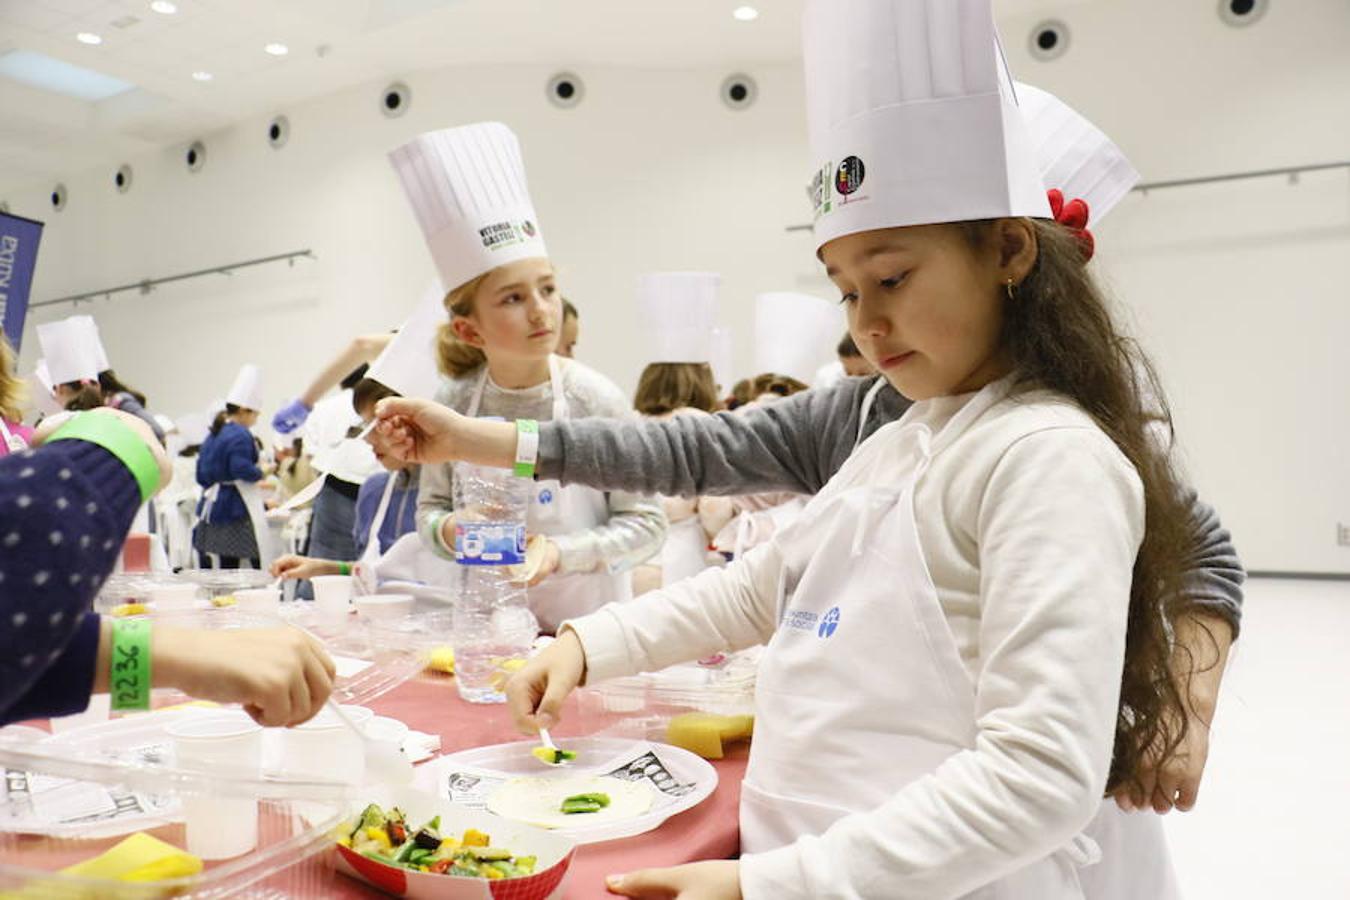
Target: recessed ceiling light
(201,76)
(88,37)
(745,14)
(277,49)
(164,7)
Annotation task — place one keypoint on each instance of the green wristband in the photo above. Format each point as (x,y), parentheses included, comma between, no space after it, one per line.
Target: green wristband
(117,439)
(527,447)
(129,677)
(344,568)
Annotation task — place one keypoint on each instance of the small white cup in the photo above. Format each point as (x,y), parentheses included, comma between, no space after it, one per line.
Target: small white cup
(325,749)
(259,600)
(174,596)
(219,827)
(332,597)
(381,607)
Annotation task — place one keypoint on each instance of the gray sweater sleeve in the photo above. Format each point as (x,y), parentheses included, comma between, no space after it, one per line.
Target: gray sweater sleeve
(1214,583)
(794,445)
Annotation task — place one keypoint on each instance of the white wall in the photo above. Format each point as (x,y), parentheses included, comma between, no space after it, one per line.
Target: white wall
(1239,290)
(651,172)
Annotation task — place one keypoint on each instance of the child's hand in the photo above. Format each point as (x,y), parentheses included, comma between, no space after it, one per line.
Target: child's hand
(282,676)
(713,880)
(292,567)
(552,558)
(536,693)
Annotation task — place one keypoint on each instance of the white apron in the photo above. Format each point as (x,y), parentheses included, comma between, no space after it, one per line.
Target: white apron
(268,548)
(684,554)
(888,697)
(407,567)
(1134,859)
(564,510)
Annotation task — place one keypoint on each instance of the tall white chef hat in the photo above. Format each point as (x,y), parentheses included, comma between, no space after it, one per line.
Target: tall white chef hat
(408,363)
(247,388)
(467,187)
(1075,155)
(41,390)
(912,118)
(679,312)
(70,351)
(795,334)
(95,342)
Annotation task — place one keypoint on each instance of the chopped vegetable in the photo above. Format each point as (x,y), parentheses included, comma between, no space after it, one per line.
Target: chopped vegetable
(585,803)
(551,756)
(383,836)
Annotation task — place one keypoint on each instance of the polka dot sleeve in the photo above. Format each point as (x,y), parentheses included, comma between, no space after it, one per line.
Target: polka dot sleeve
(64,513)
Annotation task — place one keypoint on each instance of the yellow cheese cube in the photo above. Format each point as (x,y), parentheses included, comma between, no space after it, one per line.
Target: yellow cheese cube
(705,733)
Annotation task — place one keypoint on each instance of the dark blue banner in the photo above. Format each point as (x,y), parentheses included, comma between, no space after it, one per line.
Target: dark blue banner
(18,255)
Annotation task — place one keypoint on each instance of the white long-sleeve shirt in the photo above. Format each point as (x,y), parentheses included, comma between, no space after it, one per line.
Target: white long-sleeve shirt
(1029,523)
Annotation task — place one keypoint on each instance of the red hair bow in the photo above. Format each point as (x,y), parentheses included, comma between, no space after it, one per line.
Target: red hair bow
(1073,216)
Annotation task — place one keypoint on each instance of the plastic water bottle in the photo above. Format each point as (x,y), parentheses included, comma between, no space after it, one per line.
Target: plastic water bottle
(493,626)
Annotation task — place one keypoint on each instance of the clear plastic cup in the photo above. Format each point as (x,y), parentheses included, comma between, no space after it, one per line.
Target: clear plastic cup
(332,597)
(219,827)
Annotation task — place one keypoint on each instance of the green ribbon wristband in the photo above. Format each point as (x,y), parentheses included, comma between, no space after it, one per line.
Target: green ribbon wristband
(129,677)
(117,439)
(527,447)
(344,568)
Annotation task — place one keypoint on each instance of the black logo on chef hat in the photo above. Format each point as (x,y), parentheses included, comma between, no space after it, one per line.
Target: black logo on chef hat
(528,227)
(849,176)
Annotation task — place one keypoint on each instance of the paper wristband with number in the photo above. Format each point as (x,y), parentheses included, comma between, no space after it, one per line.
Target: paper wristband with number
(117,439)
(527,447)
(129,677)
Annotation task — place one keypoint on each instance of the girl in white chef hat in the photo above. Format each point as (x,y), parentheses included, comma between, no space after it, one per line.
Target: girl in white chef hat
(967,636)
(467,187)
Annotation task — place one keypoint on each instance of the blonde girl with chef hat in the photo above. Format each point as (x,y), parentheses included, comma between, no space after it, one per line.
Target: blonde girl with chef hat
(468,190)
(966,630)
(679,314)
(232,527)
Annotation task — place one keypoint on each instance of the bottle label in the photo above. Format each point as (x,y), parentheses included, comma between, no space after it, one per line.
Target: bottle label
(489,543)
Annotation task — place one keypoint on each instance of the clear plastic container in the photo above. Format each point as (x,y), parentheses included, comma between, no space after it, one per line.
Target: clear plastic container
(641,706)
(493,625)
(67,802)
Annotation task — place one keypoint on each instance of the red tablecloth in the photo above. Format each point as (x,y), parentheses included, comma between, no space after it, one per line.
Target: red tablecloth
(708,831)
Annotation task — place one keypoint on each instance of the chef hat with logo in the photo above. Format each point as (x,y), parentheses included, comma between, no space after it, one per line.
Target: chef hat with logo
(468,190)
(679,315)
(912,118)
(246,391)
(795,334)
(1075,155)
(408,363)
(69,347)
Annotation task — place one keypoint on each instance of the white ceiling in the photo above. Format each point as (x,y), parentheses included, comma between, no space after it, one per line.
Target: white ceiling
(334,44)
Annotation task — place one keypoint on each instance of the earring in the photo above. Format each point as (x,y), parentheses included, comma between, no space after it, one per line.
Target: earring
(1008,286)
